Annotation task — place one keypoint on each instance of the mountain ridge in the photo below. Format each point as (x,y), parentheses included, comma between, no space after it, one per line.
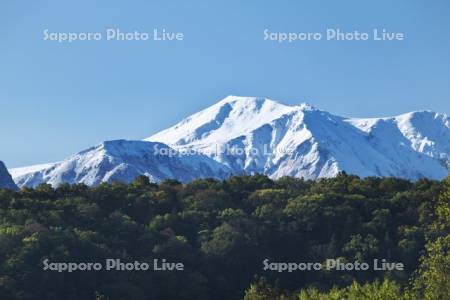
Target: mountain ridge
(257,135)
(313,131)
(121,160)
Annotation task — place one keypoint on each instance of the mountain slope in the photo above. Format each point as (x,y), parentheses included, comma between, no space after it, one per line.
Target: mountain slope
(424,132)
(258,135)
(6,180)
(121,160)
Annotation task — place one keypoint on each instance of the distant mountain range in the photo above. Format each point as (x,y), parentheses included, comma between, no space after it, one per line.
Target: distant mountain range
(248,135)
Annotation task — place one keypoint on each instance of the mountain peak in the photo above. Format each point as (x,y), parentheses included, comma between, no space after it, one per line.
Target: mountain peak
(306,106)
(248,101)
(259,101)
(236,98)
(258,135)
(299,140)
(229,118)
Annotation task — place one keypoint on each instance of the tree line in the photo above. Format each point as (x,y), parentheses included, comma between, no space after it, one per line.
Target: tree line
(222,231)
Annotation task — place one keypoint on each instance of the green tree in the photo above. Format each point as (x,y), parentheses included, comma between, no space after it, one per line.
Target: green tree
(433,280)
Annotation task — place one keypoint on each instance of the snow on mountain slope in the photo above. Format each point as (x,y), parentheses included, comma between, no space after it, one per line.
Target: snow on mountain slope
(18,172)
(121,160)
(425,131)
(228,118)
(420,140)
(257,135)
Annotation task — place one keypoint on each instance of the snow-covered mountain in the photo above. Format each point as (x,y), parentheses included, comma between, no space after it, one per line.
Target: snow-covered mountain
(121,160)
(6,180)
(257,135)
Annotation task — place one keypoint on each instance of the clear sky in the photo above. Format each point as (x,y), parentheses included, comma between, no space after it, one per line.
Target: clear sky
(59,98)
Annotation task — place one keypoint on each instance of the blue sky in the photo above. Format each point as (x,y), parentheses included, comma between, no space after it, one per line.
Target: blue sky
(59,98)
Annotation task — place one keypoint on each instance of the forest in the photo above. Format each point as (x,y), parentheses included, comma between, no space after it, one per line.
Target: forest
(222,232)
